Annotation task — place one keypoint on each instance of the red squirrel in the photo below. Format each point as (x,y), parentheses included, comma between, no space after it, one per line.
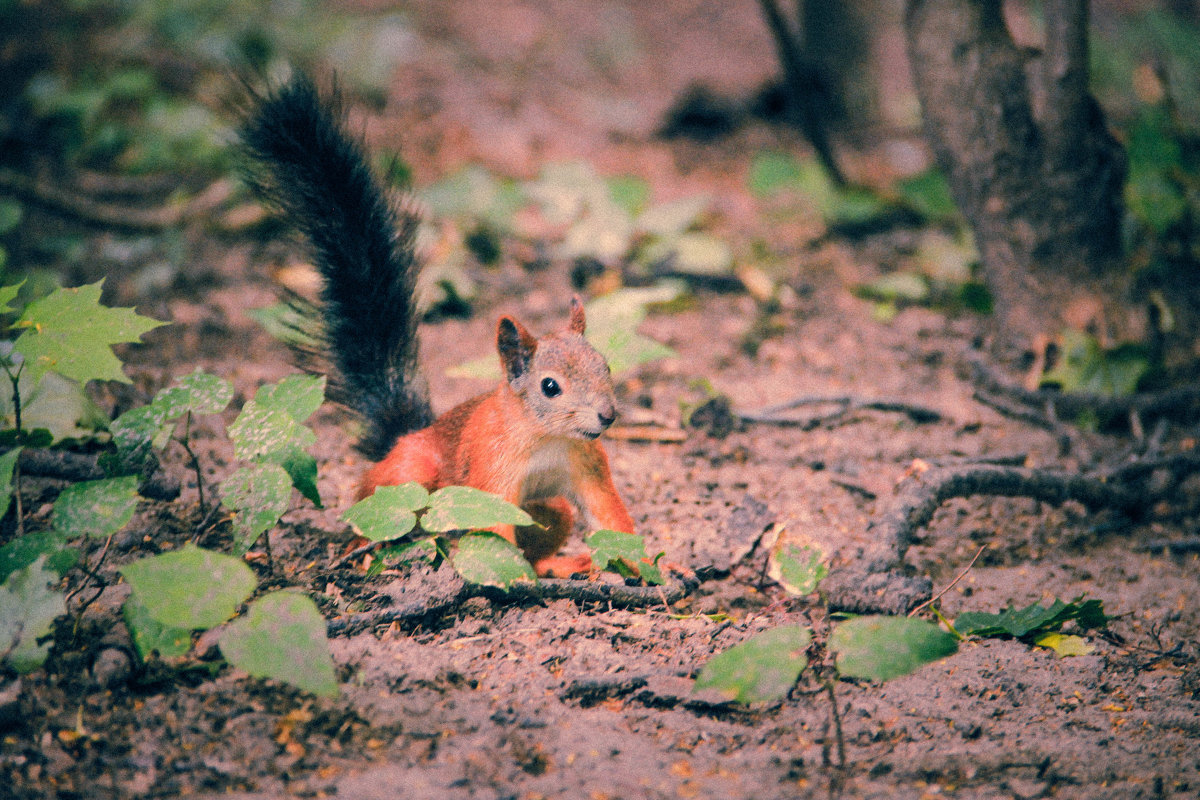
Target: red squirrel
(532,440)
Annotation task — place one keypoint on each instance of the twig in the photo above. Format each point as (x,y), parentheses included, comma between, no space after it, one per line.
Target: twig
(645,433)
(771,414)
(950,585)
(837,724)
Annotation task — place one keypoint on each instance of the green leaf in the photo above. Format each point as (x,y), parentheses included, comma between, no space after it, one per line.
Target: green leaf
(928,194)
(24,550)
(761,669)
(69,332)
(96,508)
(190,588)
(9,293)
(302,469)
(389,512)
(464,508)
(8,463)
(798,569)
(629,192)
(490,560)
(673,219)
(260,494)
(267,432)
(1032,620)
(144,427)
(907,286)
(28,608)
(854,205)
(625,554)
(11,214)
(1084,366)
(299,395)
(150,636)
(1064,645)
(197,392)
(55,404)
(613,320)
(771,173)
(881,648)
(700,254)
(282,637)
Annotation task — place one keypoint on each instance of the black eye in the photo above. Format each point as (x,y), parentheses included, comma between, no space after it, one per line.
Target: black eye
(550,387)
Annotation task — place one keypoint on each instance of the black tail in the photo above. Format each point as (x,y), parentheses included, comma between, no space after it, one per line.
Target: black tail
(305,162)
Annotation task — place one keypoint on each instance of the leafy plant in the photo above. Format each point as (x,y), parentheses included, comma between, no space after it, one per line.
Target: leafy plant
(281,635)
(269,433)
(1039,625)
(766,666)
(396,512)
(624,554)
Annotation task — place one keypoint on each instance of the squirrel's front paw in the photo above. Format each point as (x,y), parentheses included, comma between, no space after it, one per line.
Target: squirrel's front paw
(563,566)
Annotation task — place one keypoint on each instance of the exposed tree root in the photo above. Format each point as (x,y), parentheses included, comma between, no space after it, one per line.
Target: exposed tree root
(874,585)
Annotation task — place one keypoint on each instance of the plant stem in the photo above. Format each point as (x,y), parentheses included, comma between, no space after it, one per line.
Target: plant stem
(187,448)
(16,476)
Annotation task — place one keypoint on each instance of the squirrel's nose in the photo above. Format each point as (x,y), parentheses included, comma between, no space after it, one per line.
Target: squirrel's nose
(606,416)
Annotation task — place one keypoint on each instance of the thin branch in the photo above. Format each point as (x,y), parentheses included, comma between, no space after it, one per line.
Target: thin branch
(950,585)
(771,415)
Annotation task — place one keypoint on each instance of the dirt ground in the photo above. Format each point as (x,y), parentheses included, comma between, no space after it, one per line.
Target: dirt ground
(560,699)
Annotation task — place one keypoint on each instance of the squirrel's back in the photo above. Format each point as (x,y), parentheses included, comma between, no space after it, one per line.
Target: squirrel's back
(303,160)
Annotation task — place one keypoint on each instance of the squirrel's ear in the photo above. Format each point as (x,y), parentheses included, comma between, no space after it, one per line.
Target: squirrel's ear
(516,347)
(578,322)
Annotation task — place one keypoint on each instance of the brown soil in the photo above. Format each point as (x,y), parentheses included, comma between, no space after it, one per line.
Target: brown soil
(559,699)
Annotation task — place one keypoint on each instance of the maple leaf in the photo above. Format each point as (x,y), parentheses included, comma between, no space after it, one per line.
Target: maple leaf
(70,333)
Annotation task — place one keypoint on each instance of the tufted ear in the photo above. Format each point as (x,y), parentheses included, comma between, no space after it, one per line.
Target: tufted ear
(578,322)
(516,347)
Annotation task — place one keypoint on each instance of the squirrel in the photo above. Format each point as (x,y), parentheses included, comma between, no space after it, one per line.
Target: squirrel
(532,440)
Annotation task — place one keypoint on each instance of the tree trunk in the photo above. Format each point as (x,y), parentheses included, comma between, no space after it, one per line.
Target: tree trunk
(1030,163)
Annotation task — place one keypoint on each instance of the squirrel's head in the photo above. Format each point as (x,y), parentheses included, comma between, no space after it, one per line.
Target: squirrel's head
(565,383)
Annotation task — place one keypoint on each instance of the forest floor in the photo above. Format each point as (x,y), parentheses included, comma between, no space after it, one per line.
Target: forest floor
(563,699)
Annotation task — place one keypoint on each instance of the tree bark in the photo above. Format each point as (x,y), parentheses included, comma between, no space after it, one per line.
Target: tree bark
(1030,163)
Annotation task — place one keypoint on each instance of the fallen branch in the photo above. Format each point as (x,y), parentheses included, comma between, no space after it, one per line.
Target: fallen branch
(65,465)
(581,591)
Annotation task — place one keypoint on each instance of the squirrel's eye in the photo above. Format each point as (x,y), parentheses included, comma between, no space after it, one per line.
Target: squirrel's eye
(550,387)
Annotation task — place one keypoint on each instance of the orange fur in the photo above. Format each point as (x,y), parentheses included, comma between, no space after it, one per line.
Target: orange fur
(503,443)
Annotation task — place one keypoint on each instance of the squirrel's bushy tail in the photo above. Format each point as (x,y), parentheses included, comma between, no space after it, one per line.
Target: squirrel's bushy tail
(303,160)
